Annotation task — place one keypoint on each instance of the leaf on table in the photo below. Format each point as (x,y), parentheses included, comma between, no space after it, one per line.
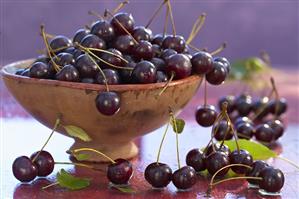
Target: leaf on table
(77,132)
(68,181)
(126,189)
(179,124)
(257,150)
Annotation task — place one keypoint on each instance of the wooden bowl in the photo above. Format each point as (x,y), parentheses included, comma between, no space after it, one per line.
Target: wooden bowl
(140,113)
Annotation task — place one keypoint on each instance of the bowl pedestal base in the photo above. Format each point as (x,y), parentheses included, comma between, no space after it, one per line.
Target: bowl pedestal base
(124,150)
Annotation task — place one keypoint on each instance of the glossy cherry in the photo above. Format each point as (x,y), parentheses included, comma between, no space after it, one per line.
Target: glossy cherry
(124,43)
(93,41)
(103,29)
(202,62)
(125,75)
(241,120)
(166,53)
(120,172)
(240,157)
(195,158)
(142,33)
(217,147)
(80,34)
(230,100)
(243,105)
(112,59)
(225,62)
(161,77)
(44,163)
(184,178)
(111,75)
(158,39)
(108,103)
(86,67)
(257,167)
(281,107)
(216,161)
(159,63)
(58,43)
(156,50)
(179,65)
(206,115)
(144,50)
(39,70)
(261,107)
(158,174)
(126,20)
(176,43)
(23,169)
(223,131)
(63,59)
(277,127)
(68,73)
(144,73)
(245,130)
(217,75)
(264,133)
(272,179)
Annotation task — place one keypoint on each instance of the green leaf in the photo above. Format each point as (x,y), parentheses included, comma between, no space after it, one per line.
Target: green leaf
(257,150)
(180,124)
(68,181)
(77,132)
(81,156)
(126,189)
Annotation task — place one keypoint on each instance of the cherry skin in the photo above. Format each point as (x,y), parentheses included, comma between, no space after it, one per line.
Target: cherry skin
(245,130)
(74,51)
(39,70)
(224,61)
(161,77)
(272,179)
(158,174)
(223,131)
(86,67)
(112,59)
(103,29)
(166,53)
(25,72)
(59,42)
(230,100)
(241,120)
(120,172)
(216,161)
(202,62)
(63,59)
(44,163)
(126,74)
(80,34)
(23,169)
(206,115)
(93,41)
(184,178)
(195,158)
(68,73)
(282,106)
(156,50)
(264,133)
(278,128)
(42,58)
(176,43)
(144,50)
(159,63)
(108,103)
(144,73)
(261,107)
(217,75)
(224,149)
(142,33)
(158,39)
(243,105)
(240,157)
(126,20)
(124,43)
(257,167)
(111,75)
(180,65)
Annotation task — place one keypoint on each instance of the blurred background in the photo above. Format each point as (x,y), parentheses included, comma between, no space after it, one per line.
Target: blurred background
(247,26)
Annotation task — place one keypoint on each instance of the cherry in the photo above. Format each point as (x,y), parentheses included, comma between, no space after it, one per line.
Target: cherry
(120,172)
(108,103)
(80,34)
(142,33)
(161,77)
(144,50)
(176,43)
(282,106)
(224,61)
(180,65)
(68,73)
(202,62)
(126,20)
(241,120)
(60,42)
(240,157)
(159,63)
(243,105)
(158,39)
(223,131)
(44,163)
(103,29)
(264,133)
(23,169)
(206,115)
(230,100)
(217,75)
(257,167)
(42,58)
(223,149)
(156,50)
(39,70)
(112,77)
(63,59)
(184,178)
(261,107)
(216,161)
(195,158)
(126,74)
(166,53)
(88,80)
(74,51)
(158,174)
(245,130)
(86,67)
(26,72)
(144,73)
(124,43)
(272,179)
(277,127)
(112,59)
(93,41)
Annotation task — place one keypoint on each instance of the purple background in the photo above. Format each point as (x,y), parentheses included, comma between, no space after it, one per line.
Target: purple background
(247,26)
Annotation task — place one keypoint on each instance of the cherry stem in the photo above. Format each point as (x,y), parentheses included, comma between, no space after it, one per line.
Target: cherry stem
(120,6)
(220,49)
(196,27)
(95,151)
(167,84)
(50,36)
(155,13)
(197,49)
(57,122)
(166,22)
(50,185)
(264,106)
(276,96)
(94,13)
(162,141)
(124,29)
(288,161)
(205,93)
(111,53)
(176,137)
(171,18)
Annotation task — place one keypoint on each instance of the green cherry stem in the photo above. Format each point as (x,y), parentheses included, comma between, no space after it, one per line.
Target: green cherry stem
(205,93)
(166,22)
(50,185)
(288,161)
(167,84)
(176,137)
(276,96)
(220,49)
(235,178)
(95,151)
(155,13)
(120,6)
(196,27)
(110,53)
(162,141)
(171,18)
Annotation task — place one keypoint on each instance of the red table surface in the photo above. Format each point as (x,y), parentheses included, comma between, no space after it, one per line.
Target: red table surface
(22,135)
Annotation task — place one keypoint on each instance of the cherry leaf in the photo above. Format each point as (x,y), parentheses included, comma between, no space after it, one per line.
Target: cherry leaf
(77,132)
(179,124)
(257,150)
(68,181)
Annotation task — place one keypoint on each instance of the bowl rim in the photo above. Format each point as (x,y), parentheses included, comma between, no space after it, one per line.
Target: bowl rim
(79,85)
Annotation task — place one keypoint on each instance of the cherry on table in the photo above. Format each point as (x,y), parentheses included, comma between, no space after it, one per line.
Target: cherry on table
(223,131)
(176,43)
(142,33)
(59,42)
(144,73)
(264,133)
(24,169)
(245,130)
(108,103)
(158,175)
(272,179)
(124,43)
(184,178)
(216,161)
(282,106)
(240,157)
(257,167)
(261,107)
(44,163)
(243,105)
(180,65)
(93,41)
(144,50)
(126,20)
(195,158)
(217,74)
(206,115)
(277,127)
(86,67)
(202,62)
(103,29)
(80,34)
(120,172)
(68,73)
(112,77)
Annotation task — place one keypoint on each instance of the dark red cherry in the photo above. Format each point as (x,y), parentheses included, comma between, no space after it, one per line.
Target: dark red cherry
(264,133)
(111,75)
(60,42)
(126,74)
(80,34)
(42,58)
(179,65)
(277,127)
(230,100)
(63,59)
(281,107)
(206,115)
(166,53)
(142,33)
(261,107)
(202,62)
(184,178)
(23,169)
(225,62)
(257,167)
(159,63)
(144,50)
(156,50)
(44,162)
(126,20)
(74,51)
(272,179)
(161,77)
(39,70)
(108,103)
(144,73)
(216,161)
(241,120)
(103,29)
(158,39)
(93,41)
(217,75)
(245,130)
(68,73)
(217,147)
(158,174)
(120,172)
(124,43)
(240,157)
(243,105)
(176,43)
(112,59)
(86,67)
(195,158)
(223,131)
